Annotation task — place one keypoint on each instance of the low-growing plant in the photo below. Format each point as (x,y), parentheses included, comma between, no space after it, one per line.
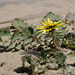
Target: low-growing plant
(69,41)
(46,39)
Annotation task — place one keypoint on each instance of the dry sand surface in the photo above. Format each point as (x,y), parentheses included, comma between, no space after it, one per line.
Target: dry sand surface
(10,9)
(22,8)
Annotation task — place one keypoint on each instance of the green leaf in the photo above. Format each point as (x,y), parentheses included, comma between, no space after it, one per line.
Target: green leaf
(67,67)
(63,44)
(28,40)
(51,15)
(18,46)
(37,32)
(58,40)
(44,53)
(25,62)
(60,57)
(19,24)
(6,43)
(15,36)
(12,45)
(70,53)
(1,32)
(47,36)
(5,33)
(26,33)
(68,36)
(59,35)
(71,47)
(1,39)
(31,30)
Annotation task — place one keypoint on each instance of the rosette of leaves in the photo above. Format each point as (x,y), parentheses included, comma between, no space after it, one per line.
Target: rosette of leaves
(20,35)
(58,35)
(4,33)
(25,34)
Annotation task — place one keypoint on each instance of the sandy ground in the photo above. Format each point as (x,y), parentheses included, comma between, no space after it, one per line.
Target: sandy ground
(22,8)
(10,9)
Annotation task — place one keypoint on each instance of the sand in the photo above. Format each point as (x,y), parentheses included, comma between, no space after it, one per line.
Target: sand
(24,8)
(10,9)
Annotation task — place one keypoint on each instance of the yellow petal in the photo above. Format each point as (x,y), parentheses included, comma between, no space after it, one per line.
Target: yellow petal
(49,20)
(50,29)
(40,26)
(43,23)
(43,32)
(51,24)
(47,30)
(56,28)
(57,22)
(59,25)
(40,31)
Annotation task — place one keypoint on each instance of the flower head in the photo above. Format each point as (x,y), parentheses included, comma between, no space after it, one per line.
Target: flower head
(48,26)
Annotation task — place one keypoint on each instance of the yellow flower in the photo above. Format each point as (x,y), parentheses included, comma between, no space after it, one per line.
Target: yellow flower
(48,26)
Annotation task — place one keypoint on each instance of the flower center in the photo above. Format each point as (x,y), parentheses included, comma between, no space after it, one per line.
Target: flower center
(49,27)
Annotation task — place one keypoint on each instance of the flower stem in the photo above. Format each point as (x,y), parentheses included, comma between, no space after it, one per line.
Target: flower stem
(54,40)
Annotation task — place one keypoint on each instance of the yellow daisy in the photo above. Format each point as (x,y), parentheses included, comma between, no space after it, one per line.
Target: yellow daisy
(48,26)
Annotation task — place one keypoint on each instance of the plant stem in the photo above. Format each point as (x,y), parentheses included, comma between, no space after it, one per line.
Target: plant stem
(54,40)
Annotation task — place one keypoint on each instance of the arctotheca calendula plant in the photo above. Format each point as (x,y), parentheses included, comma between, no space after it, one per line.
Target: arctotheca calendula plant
(49,27)
(42,40)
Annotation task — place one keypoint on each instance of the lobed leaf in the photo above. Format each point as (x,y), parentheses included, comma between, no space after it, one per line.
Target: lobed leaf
(52,16)
(28,40)
(31,30)
(26,33)
(60,57)
(37,32)
(12,45)
(5,33)
(15,36)
(18,47)
(19,24)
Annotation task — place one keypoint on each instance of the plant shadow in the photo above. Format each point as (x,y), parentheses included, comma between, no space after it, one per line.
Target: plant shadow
(73,65)
(4,49)
(22,70)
